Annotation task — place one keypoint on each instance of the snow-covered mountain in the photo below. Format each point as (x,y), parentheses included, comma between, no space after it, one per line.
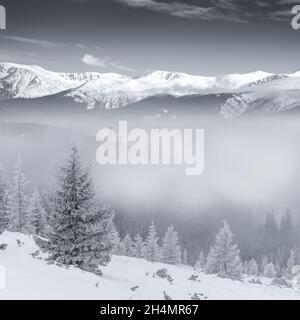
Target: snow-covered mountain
(111,90)
(276,95)
(259,91)
(21,81)
(29,276)
(124,91)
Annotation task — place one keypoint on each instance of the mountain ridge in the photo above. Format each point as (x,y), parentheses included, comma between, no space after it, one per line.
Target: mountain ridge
(268,92)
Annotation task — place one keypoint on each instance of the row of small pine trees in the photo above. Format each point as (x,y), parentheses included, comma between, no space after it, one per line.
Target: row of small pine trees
(150,249)
(223,257)
(19,210)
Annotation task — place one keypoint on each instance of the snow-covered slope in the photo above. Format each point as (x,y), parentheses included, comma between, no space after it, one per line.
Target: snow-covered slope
(21,81)
(277,95)
(29,276)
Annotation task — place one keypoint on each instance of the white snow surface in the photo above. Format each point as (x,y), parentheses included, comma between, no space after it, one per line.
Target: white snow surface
(124,278)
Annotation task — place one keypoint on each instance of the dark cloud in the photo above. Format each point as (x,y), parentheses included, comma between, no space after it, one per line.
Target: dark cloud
(230,10)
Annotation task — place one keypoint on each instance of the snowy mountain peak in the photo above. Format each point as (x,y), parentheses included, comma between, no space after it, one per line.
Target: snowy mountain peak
(165,76)
(295,74)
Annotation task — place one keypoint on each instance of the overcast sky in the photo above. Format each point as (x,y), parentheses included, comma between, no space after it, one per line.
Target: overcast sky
(207,37)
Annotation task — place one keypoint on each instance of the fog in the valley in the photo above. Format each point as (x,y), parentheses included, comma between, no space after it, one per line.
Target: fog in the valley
(250,162)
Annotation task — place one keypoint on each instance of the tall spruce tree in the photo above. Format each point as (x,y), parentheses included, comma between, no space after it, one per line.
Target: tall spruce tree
(80,231)
(270,271)
(138,246)
(128,245)
(185,259)
(151,250)
(245,267)
(253,268)
(36,215)
(171,252)
(200,263)
(18,199)
(264,263)
(4,187)
(115,239)
(223,257)
(286,229)
(290,264)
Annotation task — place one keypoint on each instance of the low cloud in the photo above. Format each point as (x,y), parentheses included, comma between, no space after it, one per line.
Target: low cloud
(106,62)
(189,11)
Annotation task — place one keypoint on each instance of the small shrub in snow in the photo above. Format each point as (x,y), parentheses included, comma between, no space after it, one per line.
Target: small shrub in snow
(134,288)
(163,274)
(281,283)
(20,243)
(167,297)
(255,281)
(198,296)
(3,246)
(41,242)
(193,277)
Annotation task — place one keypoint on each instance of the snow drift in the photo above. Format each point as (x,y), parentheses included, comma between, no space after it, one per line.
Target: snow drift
(30,276)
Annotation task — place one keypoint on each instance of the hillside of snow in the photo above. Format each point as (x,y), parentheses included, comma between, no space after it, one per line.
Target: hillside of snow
(30,276)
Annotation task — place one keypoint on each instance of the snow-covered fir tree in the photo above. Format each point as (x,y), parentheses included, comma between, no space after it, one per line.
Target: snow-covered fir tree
(151,251)
(270,271)
(115,239)
(36,216)
(138,246)
(4,187)
(99,231)
(245,267)
(200,263)
(128,246)
(80,231)
(278,269)
(185,260)
(253,268)
(290,264)
(264,263)
(119,249)
(223,257)
(171,251)
(18,199)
